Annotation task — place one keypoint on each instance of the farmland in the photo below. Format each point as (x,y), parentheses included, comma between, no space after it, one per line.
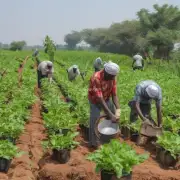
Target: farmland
(33,120)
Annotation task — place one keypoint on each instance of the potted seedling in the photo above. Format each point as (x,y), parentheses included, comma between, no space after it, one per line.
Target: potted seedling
(61,146)
(10,131)
(83,116)
(7,152)
(125,129)
(58,122)
(168,149)
(134,130)
(115,160)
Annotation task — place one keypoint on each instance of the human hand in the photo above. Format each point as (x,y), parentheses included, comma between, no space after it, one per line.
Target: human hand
(114,119)
(118,113)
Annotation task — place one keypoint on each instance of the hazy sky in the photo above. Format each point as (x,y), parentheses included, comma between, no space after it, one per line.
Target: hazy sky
(31,20)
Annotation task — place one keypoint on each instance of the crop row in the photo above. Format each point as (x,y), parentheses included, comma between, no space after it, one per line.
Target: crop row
(16,110)
(127,80)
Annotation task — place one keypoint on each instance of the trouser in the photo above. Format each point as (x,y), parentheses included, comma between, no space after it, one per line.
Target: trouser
(137,68)
(95,110)
(40,76)
(145,109)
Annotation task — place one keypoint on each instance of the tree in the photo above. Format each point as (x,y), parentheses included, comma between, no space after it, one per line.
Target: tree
(72,39)
(17,45)
(161,28)
(49,47)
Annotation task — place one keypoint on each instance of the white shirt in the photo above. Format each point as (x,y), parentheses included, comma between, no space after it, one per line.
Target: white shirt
(43,68)
(71,74)
(138,60)
(98,63)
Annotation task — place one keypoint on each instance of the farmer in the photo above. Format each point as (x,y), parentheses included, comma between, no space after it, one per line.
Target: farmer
(45,69)
(36,52)
(138,62)
(145,92)
(73,72)
(98,64)
(101,88)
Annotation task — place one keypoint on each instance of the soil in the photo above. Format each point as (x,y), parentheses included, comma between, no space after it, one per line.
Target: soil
(38,165)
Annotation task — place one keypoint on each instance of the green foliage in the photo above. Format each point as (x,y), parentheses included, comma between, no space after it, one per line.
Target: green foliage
(172,125)
(116,157)
(8,150)
(56,119)
(159,29)
(17,45)
(72,39)
(61,142)
(170,142)
(49,47)
(14,100)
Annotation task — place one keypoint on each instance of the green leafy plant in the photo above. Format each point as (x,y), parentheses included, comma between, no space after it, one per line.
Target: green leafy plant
(8,150)
(170,142)
(116,157)
(60,142)
(171,125)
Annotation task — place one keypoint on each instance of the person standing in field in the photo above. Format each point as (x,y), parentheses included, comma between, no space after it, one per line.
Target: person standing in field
(73,72)
(102,88)
(138,62)
(36,52)
(45,70)
(145,92)
(98,64)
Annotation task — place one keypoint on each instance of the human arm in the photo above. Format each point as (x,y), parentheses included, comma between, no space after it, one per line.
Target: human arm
(97,91)
(159,114)
(106,109)
(117,105)
(139,112)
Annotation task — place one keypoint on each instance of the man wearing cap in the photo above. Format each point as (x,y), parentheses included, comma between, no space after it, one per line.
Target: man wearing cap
(73,72)
(138,62)
(98,64)
(145,92)
(45,69)
(101,88)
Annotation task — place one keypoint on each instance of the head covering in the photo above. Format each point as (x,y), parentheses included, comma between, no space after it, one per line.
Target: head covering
(152,91)
(99,60)
(111,68)
(49,63)
(75,66)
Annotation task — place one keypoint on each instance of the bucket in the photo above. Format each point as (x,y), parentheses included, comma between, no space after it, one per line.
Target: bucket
(106,130)
(150,130)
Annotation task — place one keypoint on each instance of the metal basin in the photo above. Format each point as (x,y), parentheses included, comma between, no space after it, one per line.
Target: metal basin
(106,127)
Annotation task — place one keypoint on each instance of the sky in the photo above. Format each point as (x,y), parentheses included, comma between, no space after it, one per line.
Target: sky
(32,20)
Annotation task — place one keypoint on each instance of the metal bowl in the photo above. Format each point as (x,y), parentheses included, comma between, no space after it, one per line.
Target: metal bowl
(107,127)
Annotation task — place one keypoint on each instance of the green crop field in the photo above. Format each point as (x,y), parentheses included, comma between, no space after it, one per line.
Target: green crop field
(19,97)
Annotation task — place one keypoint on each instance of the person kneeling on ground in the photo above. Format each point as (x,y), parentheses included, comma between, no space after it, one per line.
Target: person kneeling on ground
(138,62)
(101,88)
(98,64)
(73,72)
(145,92)
(45,69)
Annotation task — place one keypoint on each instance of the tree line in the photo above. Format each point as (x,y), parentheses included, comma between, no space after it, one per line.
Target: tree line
(153,33)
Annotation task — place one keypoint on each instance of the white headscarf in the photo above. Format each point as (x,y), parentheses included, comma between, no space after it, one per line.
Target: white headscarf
(152,91)
(112,68)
